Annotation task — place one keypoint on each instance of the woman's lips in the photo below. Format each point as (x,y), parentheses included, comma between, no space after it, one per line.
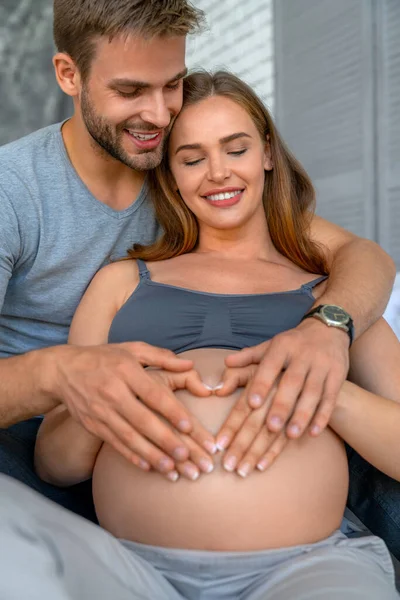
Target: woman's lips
(226,202)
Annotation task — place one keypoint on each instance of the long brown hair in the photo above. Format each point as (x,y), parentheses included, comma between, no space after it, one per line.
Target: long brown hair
(288,198)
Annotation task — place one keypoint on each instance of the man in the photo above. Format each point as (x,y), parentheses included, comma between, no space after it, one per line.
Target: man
(74,195)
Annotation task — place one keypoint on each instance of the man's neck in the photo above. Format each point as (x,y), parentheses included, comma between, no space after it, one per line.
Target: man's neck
(109,180)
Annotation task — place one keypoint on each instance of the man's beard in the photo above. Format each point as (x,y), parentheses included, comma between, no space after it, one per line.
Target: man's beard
(109,138)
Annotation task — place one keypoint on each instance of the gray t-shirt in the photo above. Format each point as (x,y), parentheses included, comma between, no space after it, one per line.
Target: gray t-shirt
(54,236)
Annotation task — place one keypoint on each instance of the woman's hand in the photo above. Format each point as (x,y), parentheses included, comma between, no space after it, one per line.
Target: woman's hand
(198,461)
(313,362)
(244,435)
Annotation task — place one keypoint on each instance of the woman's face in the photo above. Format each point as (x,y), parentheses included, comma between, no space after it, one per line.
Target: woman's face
(218,161)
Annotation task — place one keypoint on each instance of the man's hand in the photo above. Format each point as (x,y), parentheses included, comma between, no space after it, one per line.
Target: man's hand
(108,391)
(313,360)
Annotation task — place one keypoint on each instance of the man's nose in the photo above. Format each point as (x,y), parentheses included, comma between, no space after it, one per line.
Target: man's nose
(156,111)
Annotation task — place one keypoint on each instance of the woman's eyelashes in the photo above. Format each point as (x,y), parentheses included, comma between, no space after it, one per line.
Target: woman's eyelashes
(192,163)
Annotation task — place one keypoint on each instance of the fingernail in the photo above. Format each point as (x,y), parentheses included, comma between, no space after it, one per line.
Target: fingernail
(315,429)
(276,422)
(213,388)
(165,464)
(191,472)
(143,464)
(180,453)
(230,463)
(244,470)
(210,447)
(263,464)
(206,465)
(222,443)
(294,430)
(173,476)
(184,425)
(255,400)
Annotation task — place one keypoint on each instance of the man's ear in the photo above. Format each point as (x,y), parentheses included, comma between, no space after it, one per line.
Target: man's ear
(268,163)
(67,74)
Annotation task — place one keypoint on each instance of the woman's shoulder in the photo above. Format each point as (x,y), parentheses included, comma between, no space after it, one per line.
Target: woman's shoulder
(116,281)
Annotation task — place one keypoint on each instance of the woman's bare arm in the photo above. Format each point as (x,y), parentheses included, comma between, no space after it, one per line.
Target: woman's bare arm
(369,421)
(65,452)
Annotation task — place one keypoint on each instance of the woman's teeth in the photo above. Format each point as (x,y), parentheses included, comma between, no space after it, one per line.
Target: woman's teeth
(143,137)
(225,196)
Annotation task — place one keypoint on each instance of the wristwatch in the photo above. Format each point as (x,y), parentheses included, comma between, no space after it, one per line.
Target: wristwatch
(333,316)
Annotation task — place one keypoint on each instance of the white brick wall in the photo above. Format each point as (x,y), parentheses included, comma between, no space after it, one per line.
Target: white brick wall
(239,38)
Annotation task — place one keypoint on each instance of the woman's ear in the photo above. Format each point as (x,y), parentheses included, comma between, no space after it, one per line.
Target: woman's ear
(268,163)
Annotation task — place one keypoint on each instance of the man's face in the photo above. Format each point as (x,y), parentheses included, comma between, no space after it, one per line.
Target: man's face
(132,95)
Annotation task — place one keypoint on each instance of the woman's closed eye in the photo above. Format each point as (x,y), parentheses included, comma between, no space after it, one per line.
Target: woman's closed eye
(238,152)
(194,162)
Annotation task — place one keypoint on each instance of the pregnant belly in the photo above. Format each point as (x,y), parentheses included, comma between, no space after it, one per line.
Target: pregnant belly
(299,499)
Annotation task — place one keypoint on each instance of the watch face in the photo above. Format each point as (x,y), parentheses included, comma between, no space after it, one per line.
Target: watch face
(335,314)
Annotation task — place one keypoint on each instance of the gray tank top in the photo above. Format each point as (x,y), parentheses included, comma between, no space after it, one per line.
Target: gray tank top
(180,319)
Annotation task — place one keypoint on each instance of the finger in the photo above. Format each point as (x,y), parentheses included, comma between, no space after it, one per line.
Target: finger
(285,397)
(307,404)
(127,453)
(191,381)
(273,452)
(156,395)
(233,423)
(258,449)
(252,426)
(247,356)
(233,378)
(332,386)
(274,361)
(154,356)
(188,470)
(202,437)
(133,444)
(137,418)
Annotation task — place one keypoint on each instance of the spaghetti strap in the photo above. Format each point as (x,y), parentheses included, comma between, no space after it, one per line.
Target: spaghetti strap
(144,273)
(311,284)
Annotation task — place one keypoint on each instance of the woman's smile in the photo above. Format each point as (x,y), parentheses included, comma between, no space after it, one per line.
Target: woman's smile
(224,198)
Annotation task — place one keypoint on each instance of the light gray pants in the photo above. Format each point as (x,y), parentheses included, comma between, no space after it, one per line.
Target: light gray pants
(48,553)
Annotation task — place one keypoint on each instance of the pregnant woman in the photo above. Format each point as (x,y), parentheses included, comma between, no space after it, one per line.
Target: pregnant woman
(234,267)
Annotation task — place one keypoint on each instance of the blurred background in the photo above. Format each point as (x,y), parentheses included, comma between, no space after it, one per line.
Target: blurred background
(329,71)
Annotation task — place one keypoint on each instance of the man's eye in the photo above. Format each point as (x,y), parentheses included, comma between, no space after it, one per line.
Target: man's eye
(174,86)
(132,94)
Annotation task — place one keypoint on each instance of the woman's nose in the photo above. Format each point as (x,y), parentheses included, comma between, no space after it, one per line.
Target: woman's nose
(218,170)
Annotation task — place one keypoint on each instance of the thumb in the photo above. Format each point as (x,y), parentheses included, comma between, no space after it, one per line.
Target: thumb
(189,380)
(233,378)
(153,356)
(195,385)
(247,356)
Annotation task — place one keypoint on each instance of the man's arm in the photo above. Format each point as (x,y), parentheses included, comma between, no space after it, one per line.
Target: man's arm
(110,397)
(22,388)
(23,392)
(314,357)
(361,273)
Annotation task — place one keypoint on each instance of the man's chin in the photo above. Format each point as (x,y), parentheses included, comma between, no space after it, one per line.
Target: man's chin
(144,162)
